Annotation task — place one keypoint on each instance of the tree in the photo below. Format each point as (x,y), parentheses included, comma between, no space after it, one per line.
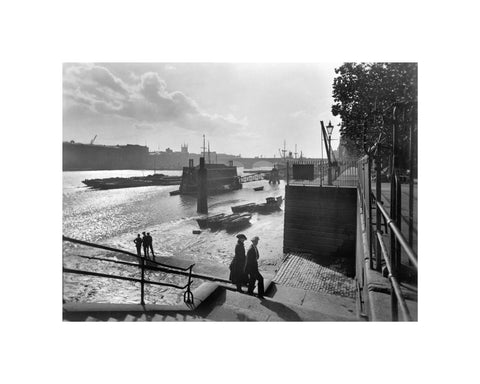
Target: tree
(364,95)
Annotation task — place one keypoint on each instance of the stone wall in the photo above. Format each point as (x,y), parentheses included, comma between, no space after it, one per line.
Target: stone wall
(321,220)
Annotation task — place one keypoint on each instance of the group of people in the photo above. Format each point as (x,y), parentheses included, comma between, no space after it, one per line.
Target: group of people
(146,242)
(244,267)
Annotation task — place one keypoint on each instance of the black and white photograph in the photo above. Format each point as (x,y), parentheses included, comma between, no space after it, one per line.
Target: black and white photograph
(240,192)
(224,191)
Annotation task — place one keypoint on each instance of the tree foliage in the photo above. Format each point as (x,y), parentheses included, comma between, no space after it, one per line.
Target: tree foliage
(364,95)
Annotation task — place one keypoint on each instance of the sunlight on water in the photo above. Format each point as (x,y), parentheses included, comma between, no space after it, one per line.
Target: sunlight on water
(114,217)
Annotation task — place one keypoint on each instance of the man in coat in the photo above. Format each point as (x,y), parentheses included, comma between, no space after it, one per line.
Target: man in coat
(150,244)
(138,244)
(145,245)
(252,268)
(237,266)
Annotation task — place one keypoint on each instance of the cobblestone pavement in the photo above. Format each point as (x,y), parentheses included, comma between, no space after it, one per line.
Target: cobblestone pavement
(299,270)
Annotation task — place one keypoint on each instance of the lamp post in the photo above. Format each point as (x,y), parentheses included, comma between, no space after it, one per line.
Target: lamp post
(329,131)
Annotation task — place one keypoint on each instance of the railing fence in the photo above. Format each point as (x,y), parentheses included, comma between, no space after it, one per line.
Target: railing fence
(153,266)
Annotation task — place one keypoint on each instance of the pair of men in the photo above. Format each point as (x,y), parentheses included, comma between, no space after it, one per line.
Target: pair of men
(244,269)
(147,242)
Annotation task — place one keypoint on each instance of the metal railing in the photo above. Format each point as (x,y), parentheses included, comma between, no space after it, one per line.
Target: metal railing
(318,173)
(371,201)
(171,269)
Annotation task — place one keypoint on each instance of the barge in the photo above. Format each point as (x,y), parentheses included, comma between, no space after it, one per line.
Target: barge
(132,182)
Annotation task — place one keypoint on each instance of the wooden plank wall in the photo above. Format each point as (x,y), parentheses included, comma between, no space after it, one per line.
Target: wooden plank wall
(320,220)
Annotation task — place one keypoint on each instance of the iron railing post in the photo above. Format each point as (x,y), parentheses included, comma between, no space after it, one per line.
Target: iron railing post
(142,283)
(378,192)
(188,295)
(369,196)
(398,221)
(393,208)
(410,197)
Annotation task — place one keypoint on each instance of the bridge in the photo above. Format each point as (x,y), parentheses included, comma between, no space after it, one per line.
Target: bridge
(257,162)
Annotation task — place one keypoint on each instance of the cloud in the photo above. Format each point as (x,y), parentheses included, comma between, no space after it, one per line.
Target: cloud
(147,100)
(298,114)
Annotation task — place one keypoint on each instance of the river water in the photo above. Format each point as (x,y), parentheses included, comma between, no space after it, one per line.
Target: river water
(114,218)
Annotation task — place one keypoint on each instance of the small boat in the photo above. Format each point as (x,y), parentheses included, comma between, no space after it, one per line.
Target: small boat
(224,221)
(258,188)
(205,222)
(174,193)
(271,204)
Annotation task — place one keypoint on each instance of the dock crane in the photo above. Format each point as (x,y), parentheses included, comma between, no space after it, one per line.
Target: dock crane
(91,141)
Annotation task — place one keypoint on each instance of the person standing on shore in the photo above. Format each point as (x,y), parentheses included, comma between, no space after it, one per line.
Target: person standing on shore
(237,266)
(138,244)
(145,245)
(150,244)
(252,269)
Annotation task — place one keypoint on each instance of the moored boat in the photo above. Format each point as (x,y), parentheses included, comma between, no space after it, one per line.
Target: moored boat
(132,182)
(271,204)
(223,221)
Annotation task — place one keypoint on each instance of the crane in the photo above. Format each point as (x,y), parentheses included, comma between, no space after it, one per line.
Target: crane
(91,141)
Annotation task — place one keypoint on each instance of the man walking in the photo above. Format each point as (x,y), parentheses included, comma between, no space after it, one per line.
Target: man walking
(138,244)
(252,269)
(150,244)
(145,245)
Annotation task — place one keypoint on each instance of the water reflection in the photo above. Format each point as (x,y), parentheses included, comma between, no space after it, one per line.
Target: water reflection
(114,217)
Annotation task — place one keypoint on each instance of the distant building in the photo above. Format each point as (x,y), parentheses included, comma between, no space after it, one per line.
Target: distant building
(78,156)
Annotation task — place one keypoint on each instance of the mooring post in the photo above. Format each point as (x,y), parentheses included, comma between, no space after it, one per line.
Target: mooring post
(202,206)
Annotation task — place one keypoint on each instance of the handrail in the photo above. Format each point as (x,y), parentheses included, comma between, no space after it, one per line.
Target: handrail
(93,245)
(393,280)
(187,296)
(410,253)
(159,269)
(392,262)
(98,274)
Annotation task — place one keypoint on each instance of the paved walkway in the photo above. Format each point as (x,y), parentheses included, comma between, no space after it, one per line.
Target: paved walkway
(300,270)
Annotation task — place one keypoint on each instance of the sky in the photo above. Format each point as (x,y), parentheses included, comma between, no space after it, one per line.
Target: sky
(244,108)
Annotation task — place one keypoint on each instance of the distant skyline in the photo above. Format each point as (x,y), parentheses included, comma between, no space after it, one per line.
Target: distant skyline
(247,109)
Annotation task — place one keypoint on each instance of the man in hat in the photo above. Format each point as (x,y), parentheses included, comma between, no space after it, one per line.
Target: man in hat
(145,245)
(138,244)
(237,266)
(150,244)
(252,268)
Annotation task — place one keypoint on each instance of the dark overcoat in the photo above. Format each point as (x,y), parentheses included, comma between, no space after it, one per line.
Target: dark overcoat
(251,266)
(237,266)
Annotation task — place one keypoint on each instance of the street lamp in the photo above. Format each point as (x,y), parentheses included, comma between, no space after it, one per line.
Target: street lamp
(329,131)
